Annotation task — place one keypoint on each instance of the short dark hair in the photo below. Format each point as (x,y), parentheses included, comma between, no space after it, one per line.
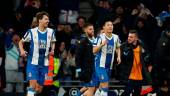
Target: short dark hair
(87,25)
(108,18)
(133,31)
(40,15)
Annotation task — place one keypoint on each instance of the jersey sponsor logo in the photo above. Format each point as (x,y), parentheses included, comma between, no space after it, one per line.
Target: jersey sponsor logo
(42,44)
(110,49)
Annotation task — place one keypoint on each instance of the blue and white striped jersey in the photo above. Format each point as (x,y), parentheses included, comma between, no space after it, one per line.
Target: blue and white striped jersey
(105,56)
(40,43)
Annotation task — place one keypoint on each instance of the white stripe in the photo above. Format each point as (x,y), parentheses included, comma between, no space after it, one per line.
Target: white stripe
(103,52)
(114,48)
(35,56)
(49,36)
(103,56)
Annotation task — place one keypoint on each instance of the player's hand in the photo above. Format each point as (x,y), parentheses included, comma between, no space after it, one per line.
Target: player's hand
(23,53)
(118,60)
(104,42)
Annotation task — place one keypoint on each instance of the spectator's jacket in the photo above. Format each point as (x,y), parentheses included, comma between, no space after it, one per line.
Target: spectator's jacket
(127,61)
(84,59)
(2,65)
(163,46)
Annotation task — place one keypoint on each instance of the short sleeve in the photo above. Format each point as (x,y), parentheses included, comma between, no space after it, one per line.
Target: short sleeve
(27,36)
(118,42)
(97,41)
(53,39)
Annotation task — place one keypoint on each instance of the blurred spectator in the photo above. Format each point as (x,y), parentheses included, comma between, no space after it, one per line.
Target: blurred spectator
(78,28)
(103,8)
(2,61)
(143,30)
(31,7)
(69,16)
(119,21)
(9,34)
(161,17)
(71,63)
(13,63)
(163,58)
(64,31)
(61,53)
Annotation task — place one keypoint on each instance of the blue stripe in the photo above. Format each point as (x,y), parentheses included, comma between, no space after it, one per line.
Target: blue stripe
(98,57)
(42,55)
(109,55)
(31,49)
(96,41)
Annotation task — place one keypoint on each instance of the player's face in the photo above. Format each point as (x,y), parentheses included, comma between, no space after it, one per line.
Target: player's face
(132,38)
(90,31)
(44,21)
(108,27)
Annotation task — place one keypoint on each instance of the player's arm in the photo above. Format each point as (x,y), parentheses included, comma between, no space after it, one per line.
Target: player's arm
(98,44)
(53,40)
(26,38)
(52,47)
(118,51)
(21,47)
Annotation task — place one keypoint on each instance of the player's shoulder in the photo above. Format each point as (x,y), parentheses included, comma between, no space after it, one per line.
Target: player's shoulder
(50,29)
(33,29)
(114,35)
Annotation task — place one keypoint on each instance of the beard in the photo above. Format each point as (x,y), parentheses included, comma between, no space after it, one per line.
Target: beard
(90,35)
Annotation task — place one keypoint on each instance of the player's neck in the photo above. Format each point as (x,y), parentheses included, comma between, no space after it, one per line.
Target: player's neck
(108,34)
(41,28)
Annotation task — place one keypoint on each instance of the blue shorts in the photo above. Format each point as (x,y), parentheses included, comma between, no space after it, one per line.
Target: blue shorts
(36,72)
(101,75)
(92,83)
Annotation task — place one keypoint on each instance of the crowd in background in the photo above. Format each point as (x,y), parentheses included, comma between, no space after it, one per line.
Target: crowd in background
(151,19)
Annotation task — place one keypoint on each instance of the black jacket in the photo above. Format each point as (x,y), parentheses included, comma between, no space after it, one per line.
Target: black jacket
(84,59)
(127,61)
(2,65)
